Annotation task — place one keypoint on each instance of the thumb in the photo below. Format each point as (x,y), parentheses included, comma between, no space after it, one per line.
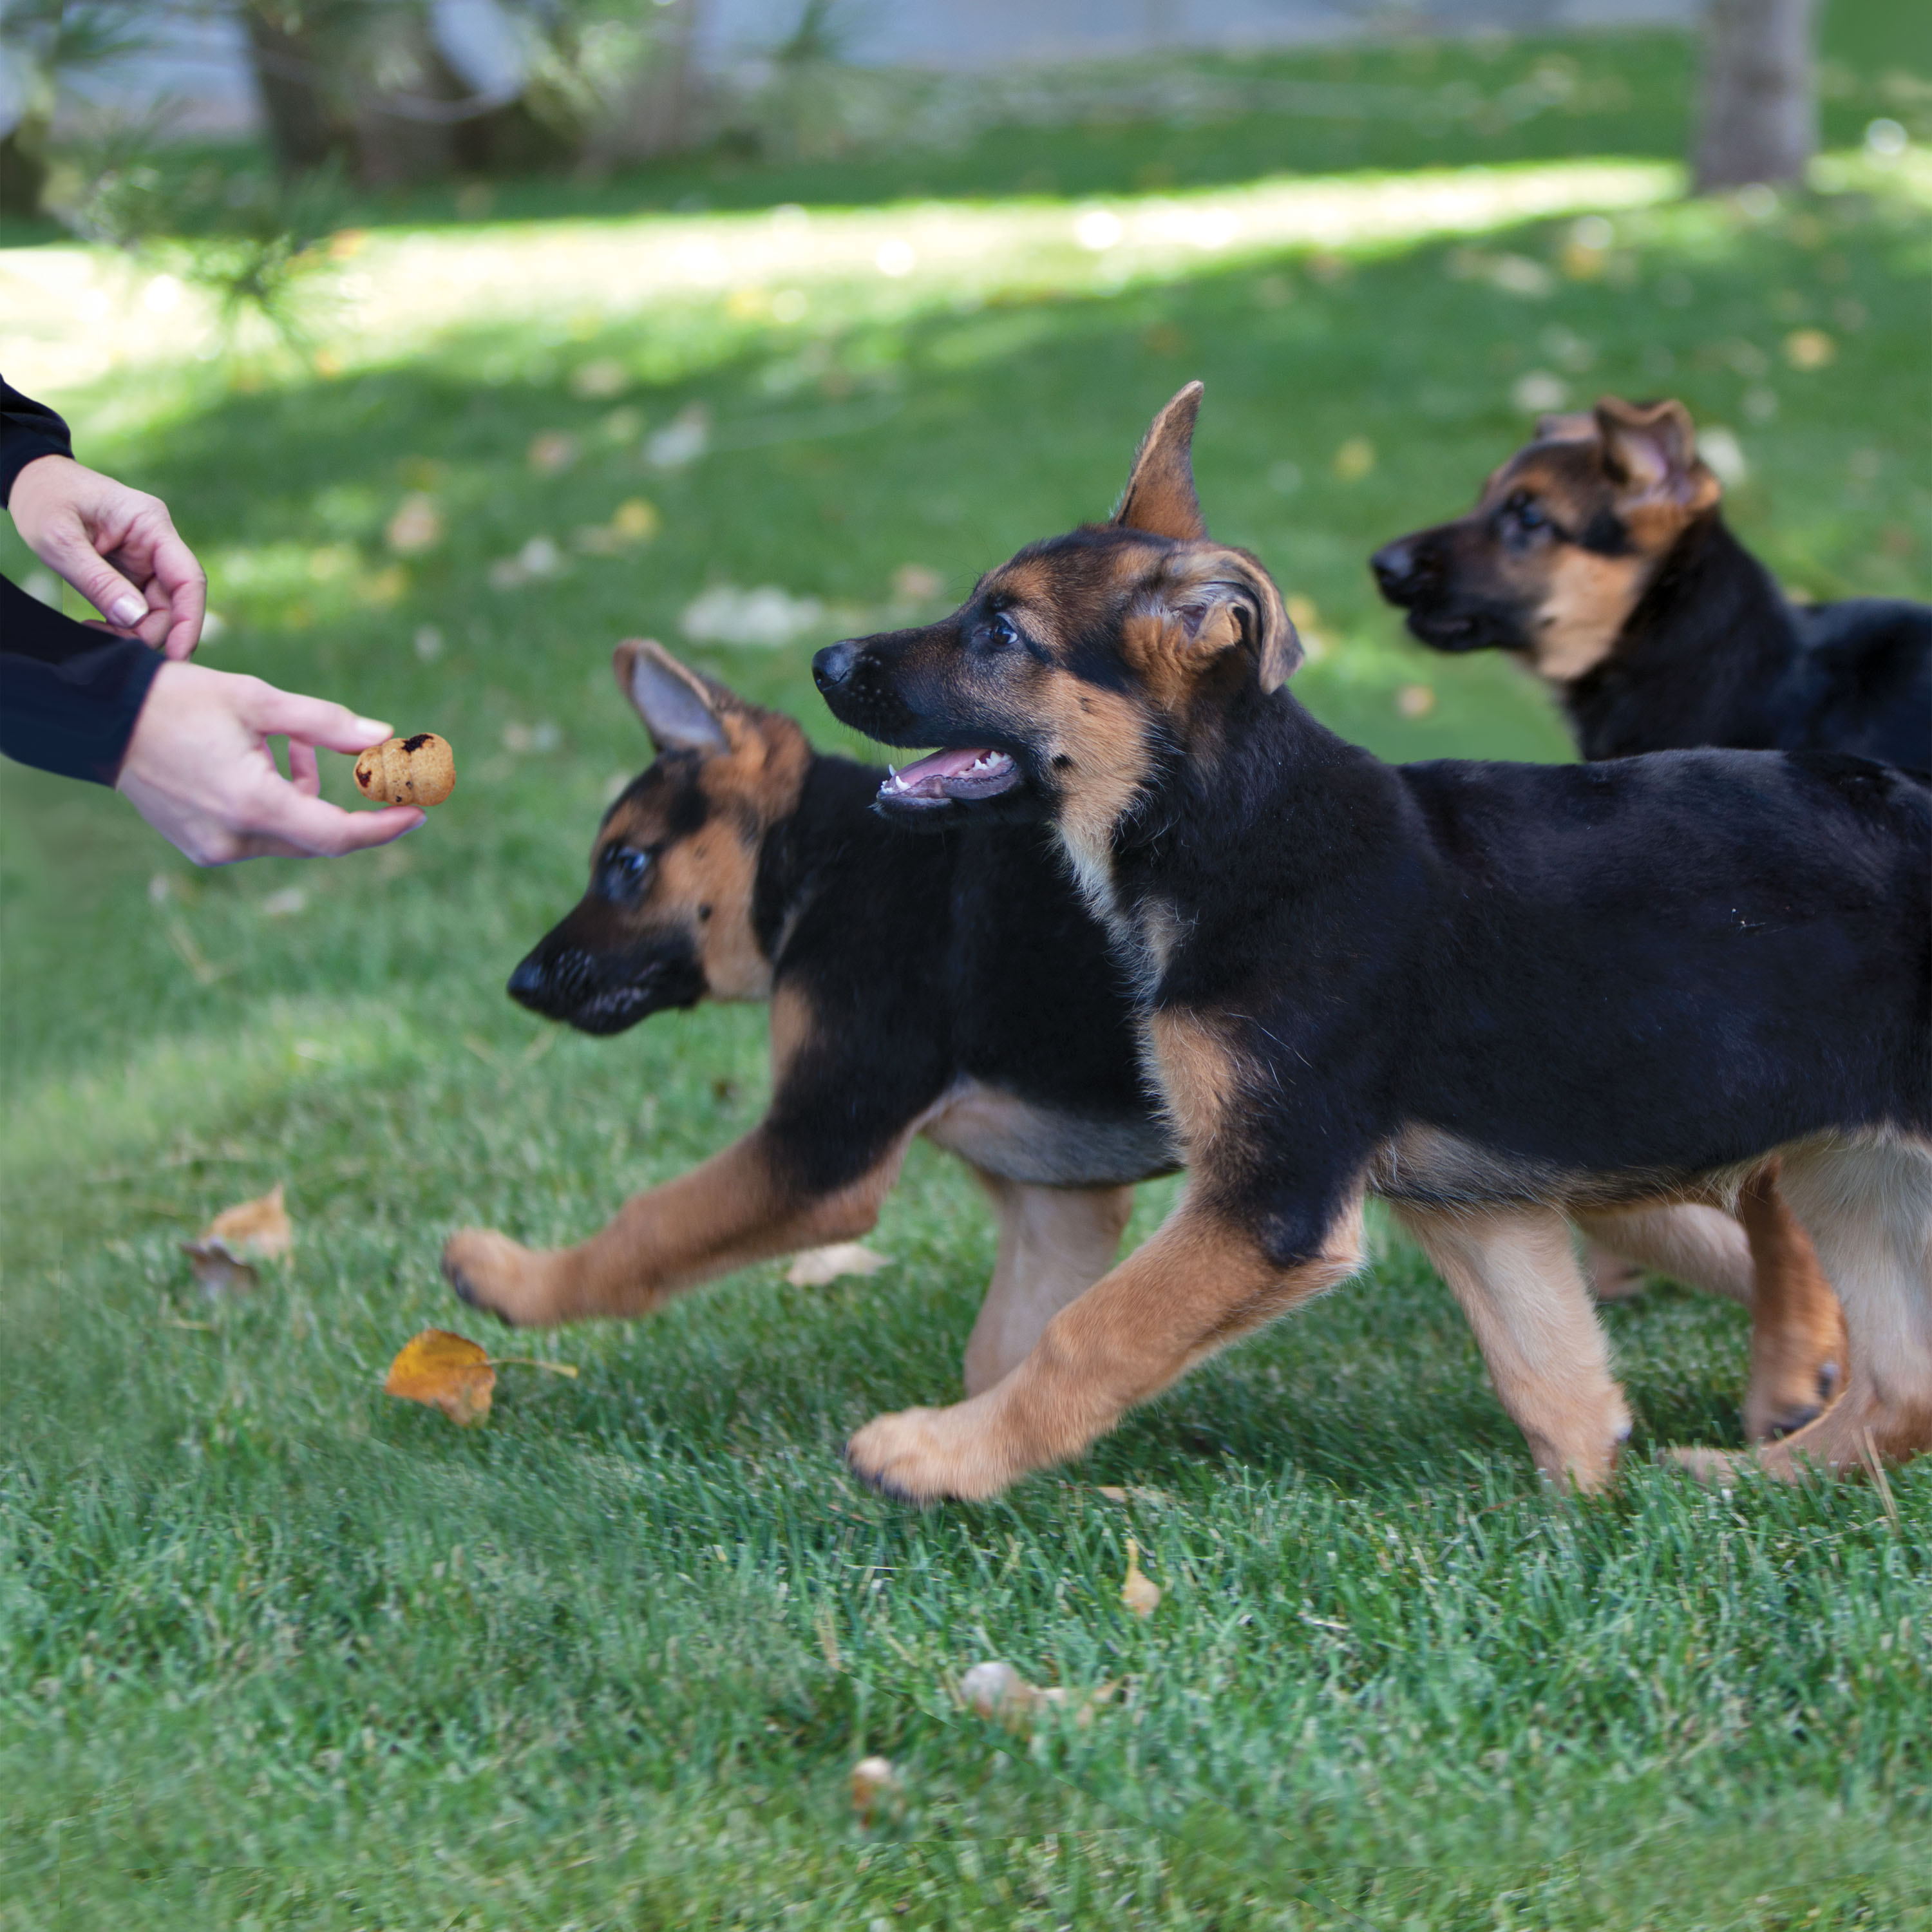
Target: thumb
(69,552)
(313,721)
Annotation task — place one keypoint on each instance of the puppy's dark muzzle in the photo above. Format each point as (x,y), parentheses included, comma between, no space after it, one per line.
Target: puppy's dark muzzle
(861,691)
(1404,572)
(552,983)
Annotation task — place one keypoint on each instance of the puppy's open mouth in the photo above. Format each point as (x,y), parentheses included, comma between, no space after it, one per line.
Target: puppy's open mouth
(951,778)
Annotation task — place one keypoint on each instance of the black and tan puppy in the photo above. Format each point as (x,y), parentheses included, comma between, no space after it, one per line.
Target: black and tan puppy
(977,1002)
(1599,556)
(1491,993)
(956,987)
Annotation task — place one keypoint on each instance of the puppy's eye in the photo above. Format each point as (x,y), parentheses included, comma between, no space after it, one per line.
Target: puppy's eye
(1526,513)
(622,871)
(1003,630)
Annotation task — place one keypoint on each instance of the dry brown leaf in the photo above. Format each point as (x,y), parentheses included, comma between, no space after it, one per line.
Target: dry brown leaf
(875,1782)
(813,1267)
(218,1271)
(261,1228)
(446,1371)
(219,1255)
(998,1691)
(1140,1594)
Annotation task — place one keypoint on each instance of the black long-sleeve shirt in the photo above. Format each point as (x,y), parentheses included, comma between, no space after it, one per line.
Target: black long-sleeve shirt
(69,696)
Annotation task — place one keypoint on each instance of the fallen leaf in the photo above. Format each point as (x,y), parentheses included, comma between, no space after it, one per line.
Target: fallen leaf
(998,1690)
(259,1227)
(1809,348)
(445,1371)
(1415,700)
(1140,1594)
(218,1271)
(1538,392)
(552,452)
(220,1255)
(416,526)
(285,904)
(598,381)
(1355,459)
(814,1266)
(874,1781)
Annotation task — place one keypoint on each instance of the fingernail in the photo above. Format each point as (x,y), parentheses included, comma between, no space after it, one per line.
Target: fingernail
(127,611)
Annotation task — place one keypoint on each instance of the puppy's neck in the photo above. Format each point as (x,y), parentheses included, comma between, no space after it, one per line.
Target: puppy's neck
(1697,658)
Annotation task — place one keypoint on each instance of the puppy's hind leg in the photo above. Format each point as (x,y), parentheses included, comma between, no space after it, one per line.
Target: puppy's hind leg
(1514,1272)
(1798,1344)
(1867,1204)
(1702,1246)
(1055,1243)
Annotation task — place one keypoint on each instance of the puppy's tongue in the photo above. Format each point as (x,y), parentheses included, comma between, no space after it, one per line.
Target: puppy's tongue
(969,773)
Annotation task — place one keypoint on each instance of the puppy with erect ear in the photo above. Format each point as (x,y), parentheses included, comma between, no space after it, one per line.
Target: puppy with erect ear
(1556,559)
(1650,456)
(1213,605)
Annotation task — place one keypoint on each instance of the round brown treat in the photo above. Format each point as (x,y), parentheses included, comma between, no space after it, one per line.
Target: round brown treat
(421,770)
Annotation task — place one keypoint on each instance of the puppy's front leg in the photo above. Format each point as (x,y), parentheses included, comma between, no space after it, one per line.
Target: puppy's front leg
(741,1206)
(1200,1282)
(1515,1274)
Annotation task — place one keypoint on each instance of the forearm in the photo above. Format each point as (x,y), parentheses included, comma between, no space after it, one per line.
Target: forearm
(29,429)
(70,697)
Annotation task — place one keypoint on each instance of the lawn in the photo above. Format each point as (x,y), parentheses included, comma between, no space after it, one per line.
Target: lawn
(279,1650)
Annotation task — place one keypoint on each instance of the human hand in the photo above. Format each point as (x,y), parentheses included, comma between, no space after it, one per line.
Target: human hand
(117,547)
(199,770)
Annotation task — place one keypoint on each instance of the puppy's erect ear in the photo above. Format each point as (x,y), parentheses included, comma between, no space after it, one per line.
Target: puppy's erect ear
(1160,497)
(1571,426)
(681,711)
(1650,452)
(1228,602)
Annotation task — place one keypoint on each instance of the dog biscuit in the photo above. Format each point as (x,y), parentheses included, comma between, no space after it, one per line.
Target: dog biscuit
(417,770)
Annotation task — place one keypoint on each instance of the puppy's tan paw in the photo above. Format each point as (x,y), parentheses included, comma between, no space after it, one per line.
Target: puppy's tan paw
(925,1455)
(1711,1467)
(491,1272)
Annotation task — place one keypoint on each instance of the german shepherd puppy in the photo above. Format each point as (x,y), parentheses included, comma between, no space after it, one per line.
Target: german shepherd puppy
(957,987)
(1599,556)
(1491,994)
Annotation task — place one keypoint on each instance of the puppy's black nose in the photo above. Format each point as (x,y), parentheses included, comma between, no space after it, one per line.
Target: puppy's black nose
(530,984)
(1398,568)
(833,665)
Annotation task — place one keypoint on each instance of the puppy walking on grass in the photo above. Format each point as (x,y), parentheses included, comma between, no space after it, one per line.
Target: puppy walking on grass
(1493,994)
(1598,557)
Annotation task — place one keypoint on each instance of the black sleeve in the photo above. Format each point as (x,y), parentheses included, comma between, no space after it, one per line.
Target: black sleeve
(28,429)
(69,696)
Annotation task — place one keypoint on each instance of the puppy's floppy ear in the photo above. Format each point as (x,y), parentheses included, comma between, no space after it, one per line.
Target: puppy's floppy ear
(1232,603)
(1160,497)
(1650,451)
(681,711)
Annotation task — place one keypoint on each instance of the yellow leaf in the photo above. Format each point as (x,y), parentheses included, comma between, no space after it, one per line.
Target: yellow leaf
(814,1266)
(1140,1594)
(261,1228)
(448,1371)
(1809,348)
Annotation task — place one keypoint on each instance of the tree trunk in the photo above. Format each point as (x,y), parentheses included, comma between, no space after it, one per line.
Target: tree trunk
(306,127)
(1759,116)
(657,115)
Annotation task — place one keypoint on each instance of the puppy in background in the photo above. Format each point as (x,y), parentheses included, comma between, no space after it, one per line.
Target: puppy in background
(1598,556)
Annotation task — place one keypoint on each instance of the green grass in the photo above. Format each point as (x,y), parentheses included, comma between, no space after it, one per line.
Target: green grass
(276,1651)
